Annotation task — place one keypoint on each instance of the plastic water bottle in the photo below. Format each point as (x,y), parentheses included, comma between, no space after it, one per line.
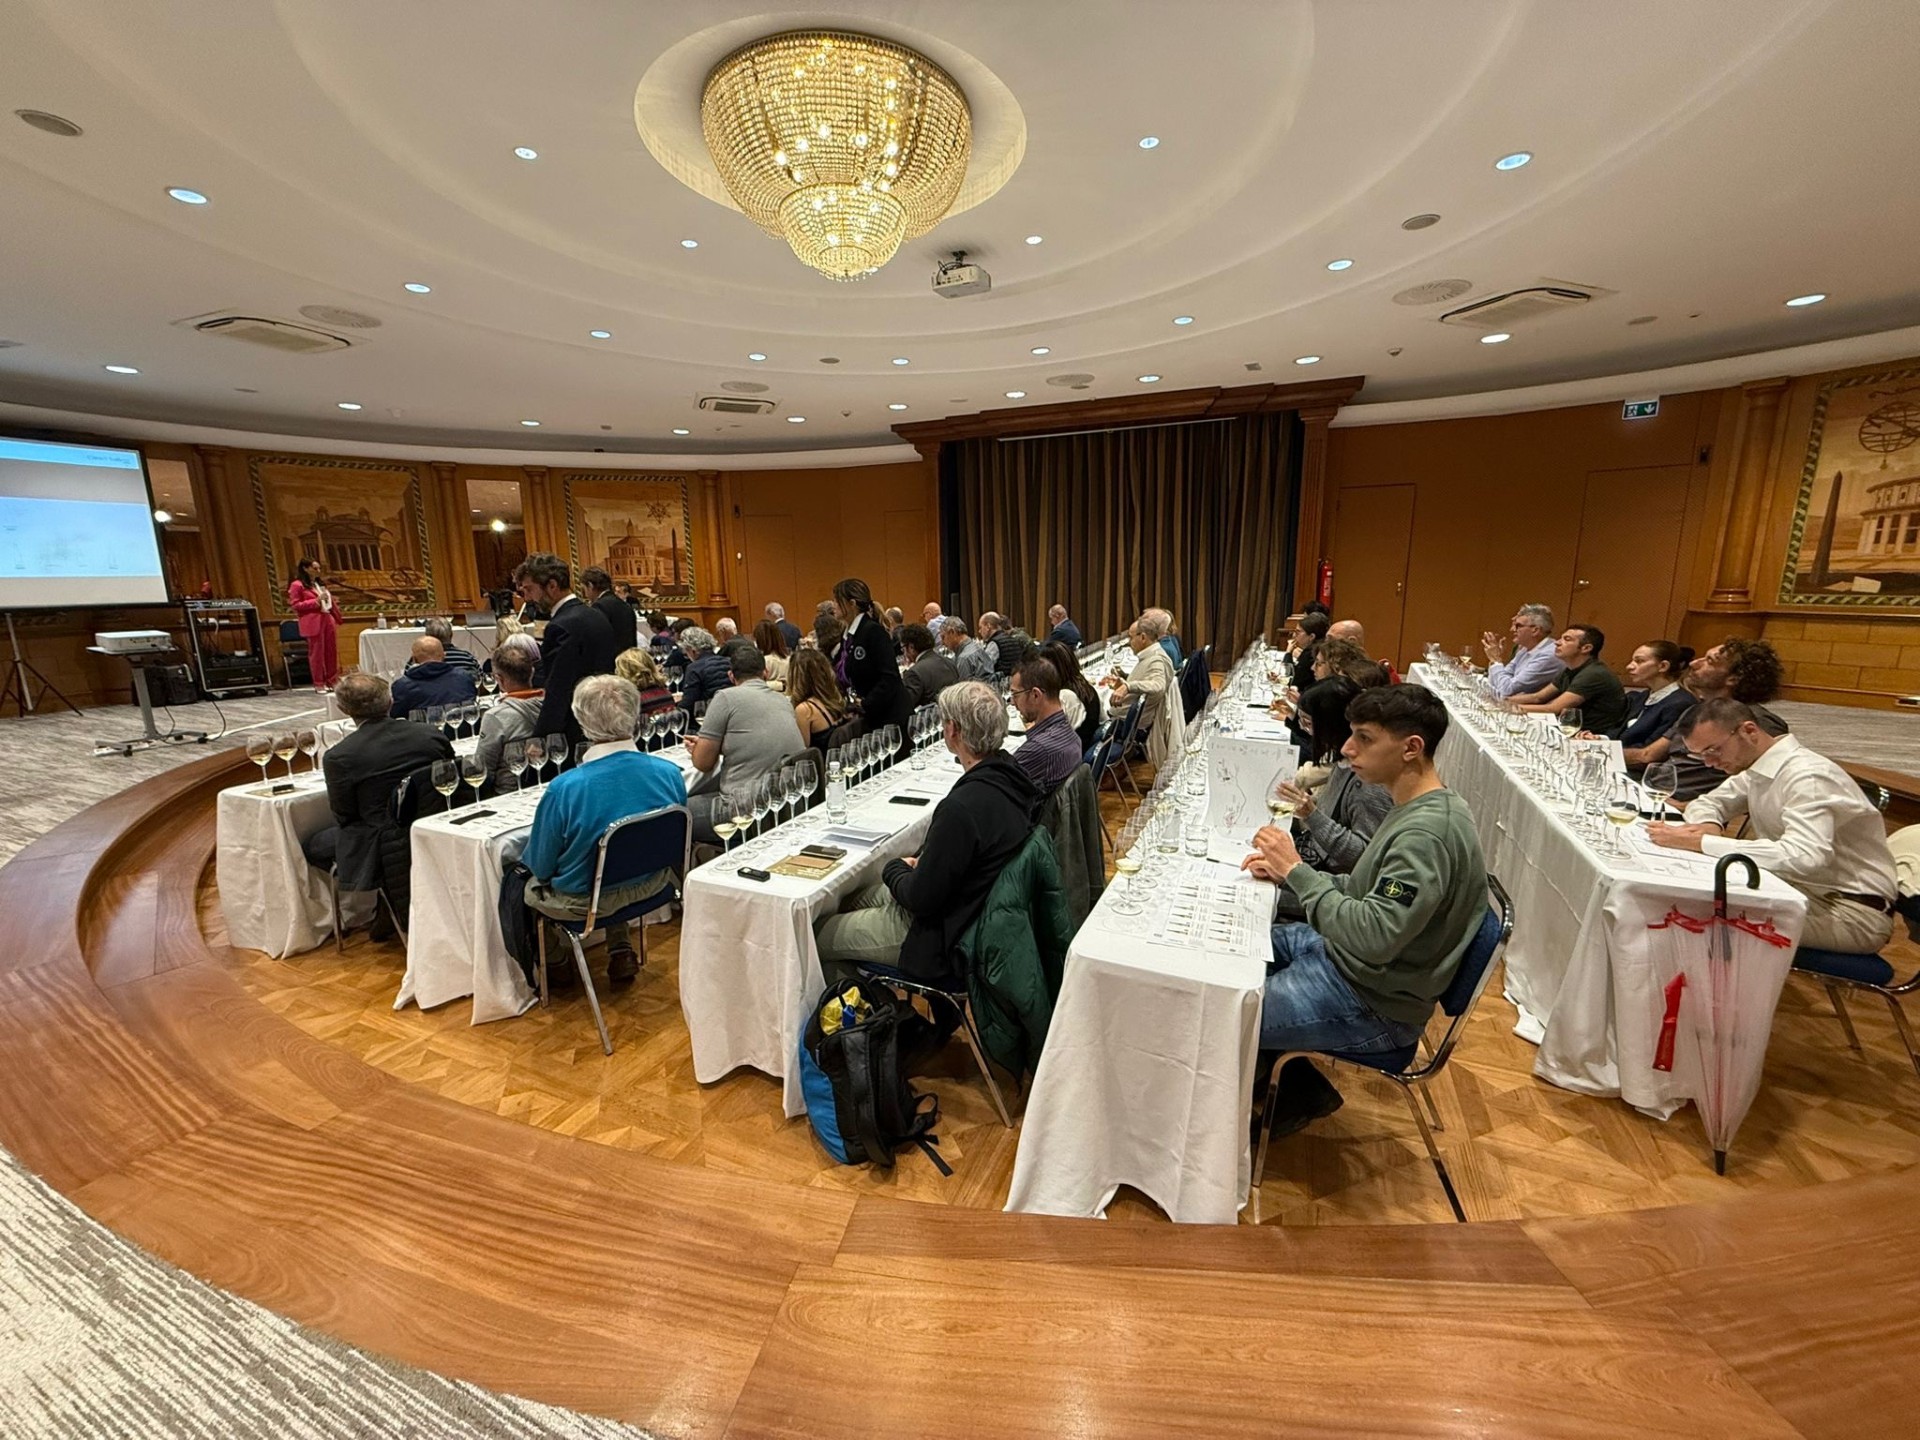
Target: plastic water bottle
(836,794)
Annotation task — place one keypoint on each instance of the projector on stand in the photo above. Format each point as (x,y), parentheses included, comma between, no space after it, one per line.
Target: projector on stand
(954,278)
(132,642)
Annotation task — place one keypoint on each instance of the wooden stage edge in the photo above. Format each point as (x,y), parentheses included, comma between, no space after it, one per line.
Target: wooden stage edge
(147,1085)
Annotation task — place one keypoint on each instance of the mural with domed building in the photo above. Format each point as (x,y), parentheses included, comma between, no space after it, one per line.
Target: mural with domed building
(636,530)
(1855,541)
(363,521)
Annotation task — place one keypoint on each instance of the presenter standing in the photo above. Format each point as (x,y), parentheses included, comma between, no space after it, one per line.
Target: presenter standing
(319,623)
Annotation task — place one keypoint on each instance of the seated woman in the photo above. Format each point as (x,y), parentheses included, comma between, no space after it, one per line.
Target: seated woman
(1655,699)
(510,720)
(1745,670)
(1077,695)
(642,671)
(773,645)
(818,704)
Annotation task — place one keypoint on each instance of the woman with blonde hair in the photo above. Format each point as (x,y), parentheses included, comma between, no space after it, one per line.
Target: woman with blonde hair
(818,704)
(642,671)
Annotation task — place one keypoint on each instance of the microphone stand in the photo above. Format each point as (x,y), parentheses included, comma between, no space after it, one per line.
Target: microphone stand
(17,689)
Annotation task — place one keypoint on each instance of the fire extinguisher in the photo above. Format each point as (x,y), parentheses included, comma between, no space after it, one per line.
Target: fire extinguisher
(1323,590)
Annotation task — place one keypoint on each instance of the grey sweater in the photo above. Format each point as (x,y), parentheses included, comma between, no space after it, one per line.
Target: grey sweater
(1344,818)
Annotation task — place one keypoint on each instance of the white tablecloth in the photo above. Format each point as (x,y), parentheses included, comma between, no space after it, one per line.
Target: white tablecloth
(272,899)
(454,944)
(1581,966)
(749,967)
(386,652)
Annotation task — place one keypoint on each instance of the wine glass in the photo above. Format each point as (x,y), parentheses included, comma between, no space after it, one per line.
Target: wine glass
(1128,856)
(580,751)
(724,824)
(1279,803)
(308,744)
(1570,721)
(740,806)
(286,747)
(790,787)
(557,749)
(536,752)
(1621,812)
(763,802)
(473,774)
(416,717)
(446,779)
(1660,780)
(516,758)
(436,717)
(260,752)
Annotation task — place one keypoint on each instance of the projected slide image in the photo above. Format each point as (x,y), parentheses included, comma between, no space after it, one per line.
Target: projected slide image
(72,539)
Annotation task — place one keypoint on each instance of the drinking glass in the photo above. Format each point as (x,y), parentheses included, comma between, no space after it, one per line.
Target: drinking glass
(473,774)
(740,805)
(1660,781)
(446,779)
(1128,857)
(1621,813)
(308,743)
(723,822)
(557,749)
(580,749)
(536,752)
(436,717)
(260,752)
(1570,721)
(286,747)
(792,782)
(516,757)
(1279,804)
(763,802)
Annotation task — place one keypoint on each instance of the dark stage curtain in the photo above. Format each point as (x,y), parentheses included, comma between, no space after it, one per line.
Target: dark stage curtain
(1196,517)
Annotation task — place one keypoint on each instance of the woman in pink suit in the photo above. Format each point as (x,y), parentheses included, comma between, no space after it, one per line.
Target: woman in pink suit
(319,623)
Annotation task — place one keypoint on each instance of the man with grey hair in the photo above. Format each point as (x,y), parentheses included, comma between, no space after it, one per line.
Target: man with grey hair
(509,721)
(1534,662)
(1064,631)
(614,780)
(969,656)
(725,631)
(441,629)
(708,671)
(1007,645)
(914,918)
(748,733)
(1165,632)
(789,632)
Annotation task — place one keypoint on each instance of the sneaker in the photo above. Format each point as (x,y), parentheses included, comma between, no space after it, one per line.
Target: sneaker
(622,966)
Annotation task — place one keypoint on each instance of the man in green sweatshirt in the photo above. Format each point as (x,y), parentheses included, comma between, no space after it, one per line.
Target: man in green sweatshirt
(1381,944)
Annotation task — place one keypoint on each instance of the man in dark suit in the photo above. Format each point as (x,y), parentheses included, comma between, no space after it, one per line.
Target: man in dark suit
(929,668)
(596,588)
(578,643)
(1064,630)
(789,632)
(363,771)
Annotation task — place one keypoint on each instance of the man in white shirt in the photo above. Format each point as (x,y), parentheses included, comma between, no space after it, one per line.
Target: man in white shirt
(1533,664)
(1811,826)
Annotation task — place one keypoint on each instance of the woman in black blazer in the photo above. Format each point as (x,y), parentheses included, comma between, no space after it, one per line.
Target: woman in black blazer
(871,661)
(1656,698)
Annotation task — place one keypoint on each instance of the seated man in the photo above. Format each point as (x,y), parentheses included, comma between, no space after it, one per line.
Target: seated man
(931,617)
(929,668)
(613,781)
(1354,633)
(362,771)
(725,632)
(430,680)
(1811,825)
(1064,631)
(915,917)
(1379,945)
(1052,750)
(1745,670)
(1583,683)
(970,658)
(748,727)
(441,629)
(708,672)
(511,719)
(1161,718)
(1534,663)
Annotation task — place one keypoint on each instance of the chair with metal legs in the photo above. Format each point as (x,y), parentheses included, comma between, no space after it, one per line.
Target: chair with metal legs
(339,925)
(887,975)
(1457,1002)
(629,849)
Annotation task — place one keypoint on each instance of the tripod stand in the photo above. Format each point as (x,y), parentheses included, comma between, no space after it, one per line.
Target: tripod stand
(17,689)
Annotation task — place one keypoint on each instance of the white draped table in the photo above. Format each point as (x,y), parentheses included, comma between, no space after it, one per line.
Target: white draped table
(1582,967)
(386,652)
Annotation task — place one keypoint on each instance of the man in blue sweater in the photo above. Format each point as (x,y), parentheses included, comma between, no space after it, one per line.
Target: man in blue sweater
(615,780)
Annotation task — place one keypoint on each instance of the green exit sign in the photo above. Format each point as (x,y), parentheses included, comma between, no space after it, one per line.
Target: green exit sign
(1639,409)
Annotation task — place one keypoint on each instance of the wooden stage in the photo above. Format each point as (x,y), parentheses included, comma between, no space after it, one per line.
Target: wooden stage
(148,1083)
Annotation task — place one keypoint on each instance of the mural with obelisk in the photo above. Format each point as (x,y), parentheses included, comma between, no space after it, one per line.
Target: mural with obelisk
(636,530)
(1855,541)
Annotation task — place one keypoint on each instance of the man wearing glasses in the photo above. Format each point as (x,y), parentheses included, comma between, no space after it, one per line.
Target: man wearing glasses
(1811,825)
(1051,751)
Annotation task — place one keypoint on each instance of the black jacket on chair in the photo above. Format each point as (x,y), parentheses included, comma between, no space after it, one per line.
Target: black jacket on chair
(621,620)
(578,643)
(362,772)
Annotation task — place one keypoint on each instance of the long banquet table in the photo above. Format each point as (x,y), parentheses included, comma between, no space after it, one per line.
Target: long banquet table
(1581,967)
(386,652)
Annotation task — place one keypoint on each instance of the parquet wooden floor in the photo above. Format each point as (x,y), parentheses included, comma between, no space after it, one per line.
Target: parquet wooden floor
(1519,1149)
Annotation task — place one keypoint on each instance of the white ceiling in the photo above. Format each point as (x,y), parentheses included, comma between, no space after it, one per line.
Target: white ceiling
(1705,161)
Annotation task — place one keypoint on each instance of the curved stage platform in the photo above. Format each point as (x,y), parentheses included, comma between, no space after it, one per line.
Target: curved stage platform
(145,1083)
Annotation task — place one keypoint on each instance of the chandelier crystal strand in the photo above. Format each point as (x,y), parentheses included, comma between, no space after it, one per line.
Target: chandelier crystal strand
(843,145)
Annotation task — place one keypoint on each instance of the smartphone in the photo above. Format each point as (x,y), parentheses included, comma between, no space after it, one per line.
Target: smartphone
(471,815)
(285,787)
(909,800)
(824,852)
(747,872)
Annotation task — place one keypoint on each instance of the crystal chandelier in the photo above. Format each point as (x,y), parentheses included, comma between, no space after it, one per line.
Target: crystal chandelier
(841,144)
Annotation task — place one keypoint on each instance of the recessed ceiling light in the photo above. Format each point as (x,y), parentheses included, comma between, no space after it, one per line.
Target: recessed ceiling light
(120,369)
(1149,142)
(186,196)
(1016,394)
(1041,350)
(1419,222)
(756,356)
(601,334)
(1800,300)
(689,244)
(900,360)
(531,424)
(1148,379)
(165,517)
(526,152)
(417,288)
(1307,360)
(1339,264)
(1183,319)
(1499,337)
(796,419)
(1513,161)
(52,124)
(1035,239)
(896,405)
(348,405)
(678,431)
(499,527)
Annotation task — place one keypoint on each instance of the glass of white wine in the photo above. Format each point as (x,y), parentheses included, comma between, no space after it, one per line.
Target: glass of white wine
(286,747)
(1128,857)
(741,804)
(1661,779)
(473,774)
(308,742)
(1571,721)
(260,752)
(1279,802)
(446,779)
(724,825)
(1621,813)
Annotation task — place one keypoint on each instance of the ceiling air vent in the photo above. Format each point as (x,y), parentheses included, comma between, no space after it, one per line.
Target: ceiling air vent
(744,387)
(278,335)
(1071,382)
(1516,307)
(1433,292)
(340,317)
(732,405)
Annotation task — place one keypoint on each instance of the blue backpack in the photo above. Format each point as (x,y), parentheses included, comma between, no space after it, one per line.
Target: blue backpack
(853,1078)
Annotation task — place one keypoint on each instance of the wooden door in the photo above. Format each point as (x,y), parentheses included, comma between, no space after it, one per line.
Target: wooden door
(1627,572)
(769,569)
(1372,536)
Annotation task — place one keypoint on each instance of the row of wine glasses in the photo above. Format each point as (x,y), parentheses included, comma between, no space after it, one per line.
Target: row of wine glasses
(661,728)
(749,805)
(461,719)
(535,754)
(263,750)
(449,775)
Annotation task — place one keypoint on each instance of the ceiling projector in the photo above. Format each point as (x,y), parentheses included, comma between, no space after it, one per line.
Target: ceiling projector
(954,278)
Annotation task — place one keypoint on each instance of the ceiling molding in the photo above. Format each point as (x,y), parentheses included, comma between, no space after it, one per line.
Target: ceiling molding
(1213,402)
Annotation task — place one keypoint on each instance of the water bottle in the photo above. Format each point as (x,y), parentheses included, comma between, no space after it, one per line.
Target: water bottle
(381,622)
(836,793)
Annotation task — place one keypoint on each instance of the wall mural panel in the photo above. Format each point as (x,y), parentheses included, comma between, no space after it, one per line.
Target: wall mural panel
(363,520)
(637,530)
(1855,541)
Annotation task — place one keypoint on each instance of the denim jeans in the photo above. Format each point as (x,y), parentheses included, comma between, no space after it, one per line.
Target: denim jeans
(1309,1005)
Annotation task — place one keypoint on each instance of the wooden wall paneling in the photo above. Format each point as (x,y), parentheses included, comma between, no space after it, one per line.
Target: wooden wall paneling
(544,509)
(454,563)
(1372,540)
(1313,530)
(904,581)
(1629,564)
(1751,467)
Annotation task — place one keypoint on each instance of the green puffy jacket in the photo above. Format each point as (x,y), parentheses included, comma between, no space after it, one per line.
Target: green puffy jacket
(1015,954)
